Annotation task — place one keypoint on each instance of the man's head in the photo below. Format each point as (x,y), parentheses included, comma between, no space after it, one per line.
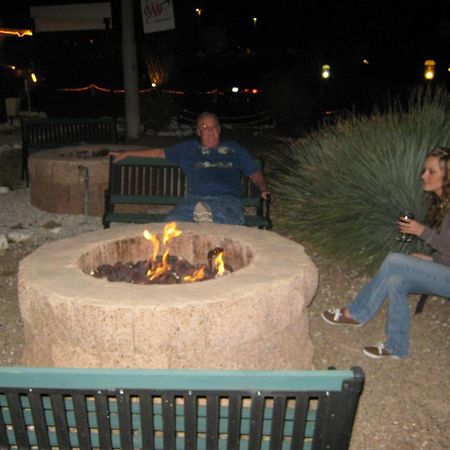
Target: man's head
(208,129)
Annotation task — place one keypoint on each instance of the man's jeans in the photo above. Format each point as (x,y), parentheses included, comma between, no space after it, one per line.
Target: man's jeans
(398,276)
(224,209)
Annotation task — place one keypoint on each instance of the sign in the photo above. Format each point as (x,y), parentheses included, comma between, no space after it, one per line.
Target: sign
(73,17)
(157,15)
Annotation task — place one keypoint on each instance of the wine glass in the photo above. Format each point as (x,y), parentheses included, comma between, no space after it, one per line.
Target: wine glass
(404,237)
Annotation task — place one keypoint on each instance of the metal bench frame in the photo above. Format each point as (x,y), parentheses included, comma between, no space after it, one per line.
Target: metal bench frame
(177,409)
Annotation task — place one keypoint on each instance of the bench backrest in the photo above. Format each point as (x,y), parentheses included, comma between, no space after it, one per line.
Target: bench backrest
(177,409)
(47,133)
(39,134)
(160,181)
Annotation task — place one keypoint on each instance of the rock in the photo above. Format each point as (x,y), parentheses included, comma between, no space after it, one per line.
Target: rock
(3,242)
(19,236)
(51,224)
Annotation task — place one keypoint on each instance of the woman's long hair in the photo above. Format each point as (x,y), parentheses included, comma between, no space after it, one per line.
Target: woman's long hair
(439,206)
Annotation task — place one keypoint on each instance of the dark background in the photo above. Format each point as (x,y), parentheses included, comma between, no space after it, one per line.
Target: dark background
(223,48)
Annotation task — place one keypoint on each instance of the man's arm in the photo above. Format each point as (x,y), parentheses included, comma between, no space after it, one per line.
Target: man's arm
(145,153)
(258,179)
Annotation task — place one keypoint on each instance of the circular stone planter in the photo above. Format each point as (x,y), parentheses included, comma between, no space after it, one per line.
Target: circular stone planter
(72,179)
(252,318)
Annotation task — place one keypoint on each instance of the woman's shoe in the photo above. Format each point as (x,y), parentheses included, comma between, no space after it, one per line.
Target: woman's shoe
(336,317)
(378,352)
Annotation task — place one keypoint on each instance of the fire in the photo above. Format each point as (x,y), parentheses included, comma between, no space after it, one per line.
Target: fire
(170,231)
(158,268)
(219,264)
(199,274)
(154,240)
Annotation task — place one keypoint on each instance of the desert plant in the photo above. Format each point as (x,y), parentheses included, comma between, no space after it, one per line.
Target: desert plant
(342,188)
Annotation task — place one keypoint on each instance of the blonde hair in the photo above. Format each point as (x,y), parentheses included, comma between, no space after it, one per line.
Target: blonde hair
(439,206)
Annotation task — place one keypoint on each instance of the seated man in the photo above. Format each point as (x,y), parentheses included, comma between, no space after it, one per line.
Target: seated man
(213,169)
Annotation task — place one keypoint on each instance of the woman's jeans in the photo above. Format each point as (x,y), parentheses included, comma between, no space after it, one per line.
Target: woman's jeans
(224,209)
(398,276)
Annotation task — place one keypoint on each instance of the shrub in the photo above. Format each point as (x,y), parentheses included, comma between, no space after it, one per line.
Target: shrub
(342,188)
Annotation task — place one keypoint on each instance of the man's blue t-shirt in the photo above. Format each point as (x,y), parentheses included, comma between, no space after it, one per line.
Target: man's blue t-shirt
(212,171)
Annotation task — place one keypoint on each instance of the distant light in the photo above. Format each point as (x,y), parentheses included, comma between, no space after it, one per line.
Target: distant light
(255,19)
(254,91)
(199,11)
(15,32)
(235,89)
(154,85)
(429,69)
(33,77)
(365,61)
(326,71)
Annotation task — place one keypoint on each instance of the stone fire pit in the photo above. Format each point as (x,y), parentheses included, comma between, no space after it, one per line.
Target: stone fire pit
(252,318)
(72,179)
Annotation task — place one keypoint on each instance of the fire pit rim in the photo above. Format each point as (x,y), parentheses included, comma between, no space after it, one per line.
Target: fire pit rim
(62,275)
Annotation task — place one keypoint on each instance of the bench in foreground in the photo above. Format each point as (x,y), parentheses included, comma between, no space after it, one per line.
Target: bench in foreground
(177,409)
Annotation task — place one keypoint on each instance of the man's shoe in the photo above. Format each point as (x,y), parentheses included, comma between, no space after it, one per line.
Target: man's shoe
(336,317)
(202,213)
(378,352)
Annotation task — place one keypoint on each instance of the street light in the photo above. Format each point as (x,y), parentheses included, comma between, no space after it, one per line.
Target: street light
(429,69)
(326,71)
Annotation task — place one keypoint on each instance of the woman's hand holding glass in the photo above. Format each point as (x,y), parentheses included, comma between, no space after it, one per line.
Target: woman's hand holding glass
(410,226)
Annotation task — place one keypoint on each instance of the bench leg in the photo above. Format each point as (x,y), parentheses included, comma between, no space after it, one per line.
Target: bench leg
(421,303)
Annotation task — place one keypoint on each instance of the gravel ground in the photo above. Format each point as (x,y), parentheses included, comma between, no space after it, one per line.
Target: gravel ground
(404,405)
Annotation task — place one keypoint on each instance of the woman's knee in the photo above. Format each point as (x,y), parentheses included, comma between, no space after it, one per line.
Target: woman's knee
(395,259)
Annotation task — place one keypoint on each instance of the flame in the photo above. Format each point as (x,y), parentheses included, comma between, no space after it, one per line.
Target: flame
(162,268)
(199,274)
(170,231)
(156,269)
(154,240)
(219,265)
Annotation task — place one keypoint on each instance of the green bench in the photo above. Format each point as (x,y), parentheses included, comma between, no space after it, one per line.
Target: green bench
(159,182)
(124,409)
(40,134)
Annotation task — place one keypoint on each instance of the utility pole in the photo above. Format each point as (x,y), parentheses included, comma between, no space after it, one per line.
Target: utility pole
(130,71)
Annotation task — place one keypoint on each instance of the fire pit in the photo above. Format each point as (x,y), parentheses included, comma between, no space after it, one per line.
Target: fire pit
(252,318)
(72,179)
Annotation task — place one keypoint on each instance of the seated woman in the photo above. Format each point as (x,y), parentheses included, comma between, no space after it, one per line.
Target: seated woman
(401,274)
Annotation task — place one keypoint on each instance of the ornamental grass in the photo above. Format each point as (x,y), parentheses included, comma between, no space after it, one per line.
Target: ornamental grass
(342,188)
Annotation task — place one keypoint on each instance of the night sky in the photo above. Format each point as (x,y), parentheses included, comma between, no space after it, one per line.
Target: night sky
(336,27)
(394,36)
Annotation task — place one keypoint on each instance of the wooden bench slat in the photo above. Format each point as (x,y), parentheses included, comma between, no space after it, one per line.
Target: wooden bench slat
(160,379)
